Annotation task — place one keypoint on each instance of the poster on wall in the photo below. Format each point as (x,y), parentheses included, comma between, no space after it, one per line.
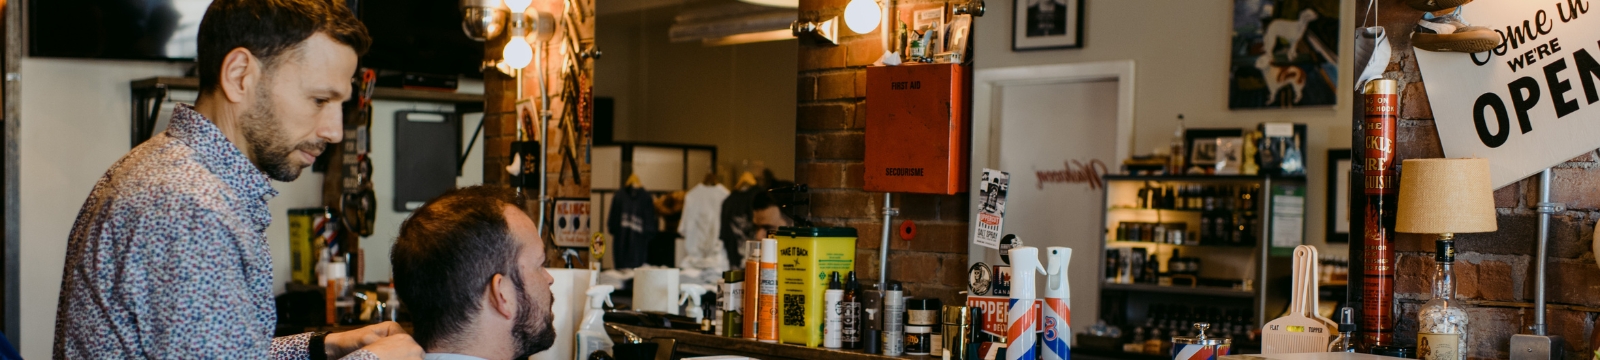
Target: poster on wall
(992,189)
(572,223)
(1046,24)
(1528,104)
(1284,54)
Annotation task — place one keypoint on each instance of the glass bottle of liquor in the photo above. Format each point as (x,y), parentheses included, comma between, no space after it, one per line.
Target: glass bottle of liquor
(1442,321)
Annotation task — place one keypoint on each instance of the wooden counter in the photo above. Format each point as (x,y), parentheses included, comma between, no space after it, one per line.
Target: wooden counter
(697,344)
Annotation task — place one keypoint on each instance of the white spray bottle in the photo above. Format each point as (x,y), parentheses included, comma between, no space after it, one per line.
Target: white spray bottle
(691,293)
(1057,318)
(1021,318)
(592,331)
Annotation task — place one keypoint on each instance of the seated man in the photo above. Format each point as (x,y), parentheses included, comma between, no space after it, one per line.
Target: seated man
(470,267)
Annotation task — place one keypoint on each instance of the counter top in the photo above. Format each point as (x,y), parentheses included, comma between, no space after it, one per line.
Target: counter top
(703,344)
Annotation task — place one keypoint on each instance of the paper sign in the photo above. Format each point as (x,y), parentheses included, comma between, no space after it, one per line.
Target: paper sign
(572,223)
(994,312)
(992,211)
(1529,104)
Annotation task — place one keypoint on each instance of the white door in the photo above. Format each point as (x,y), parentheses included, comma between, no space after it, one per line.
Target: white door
(1056,136)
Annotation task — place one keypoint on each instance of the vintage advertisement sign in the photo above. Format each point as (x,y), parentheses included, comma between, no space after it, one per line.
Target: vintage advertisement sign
(992,209)
(1528,104)
(572,223)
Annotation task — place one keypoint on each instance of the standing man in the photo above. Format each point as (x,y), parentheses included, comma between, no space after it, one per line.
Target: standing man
(470,267)
(168,257)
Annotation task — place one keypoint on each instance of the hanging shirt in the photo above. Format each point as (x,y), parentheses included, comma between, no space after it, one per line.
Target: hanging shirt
(737,226)
(632,223)
(702,220)
(168,257)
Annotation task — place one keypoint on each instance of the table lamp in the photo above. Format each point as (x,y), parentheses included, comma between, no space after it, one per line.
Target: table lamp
(1445,197)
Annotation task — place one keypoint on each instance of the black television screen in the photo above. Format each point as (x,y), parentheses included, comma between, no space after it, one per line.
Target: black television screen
(407,35)
(115,29)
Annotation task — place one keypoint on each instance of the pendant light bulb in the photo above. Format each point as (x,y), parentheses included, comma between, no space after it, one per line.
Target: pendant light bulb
(517,53)
(862,16)
(518,6)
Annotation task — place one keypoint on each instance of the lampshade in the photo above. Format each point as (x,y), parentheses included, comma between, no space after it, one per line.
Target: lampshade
(1439,196)
(517,53)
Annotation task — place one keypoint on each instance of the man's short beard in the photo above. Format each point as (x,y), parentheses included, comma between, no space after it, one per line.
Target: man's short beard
(268,145)
(533,333)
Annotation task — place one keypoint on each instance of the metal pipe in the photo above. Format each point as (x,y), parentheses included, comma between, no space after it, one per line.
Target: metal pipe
(544,126)
(883,246)
(1545,208)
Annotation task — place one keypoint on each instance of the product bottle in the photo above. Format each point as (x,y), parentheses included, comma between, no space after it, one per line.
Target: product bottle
(894,314)
(833,313)
(850,314)
(732,303)
(1175,160)
(1057,319)
(1347,328)
(752,291)
(768,307)
(592,331)
(1442,322)
(1021,316)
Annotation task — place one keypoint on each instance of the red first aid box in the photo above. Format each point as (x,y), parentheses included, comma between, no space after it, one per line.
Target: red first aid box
(918,128)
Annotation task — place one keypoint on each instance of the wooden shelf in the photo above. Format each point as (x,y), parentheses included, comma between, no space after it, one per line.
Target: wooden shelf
(1184,290)
(379,93)
(697,343)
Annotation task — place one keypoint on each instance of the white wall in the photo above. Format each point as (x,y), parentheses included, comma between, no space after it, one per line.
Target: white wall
(740,98)
(75,118)
(1180,49)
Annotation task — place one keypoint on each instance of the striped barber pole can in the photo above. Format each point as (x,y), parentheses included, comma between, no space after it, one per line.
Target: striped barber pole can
(1024,319)
(1199,347)
(1193,352)
(1057,326)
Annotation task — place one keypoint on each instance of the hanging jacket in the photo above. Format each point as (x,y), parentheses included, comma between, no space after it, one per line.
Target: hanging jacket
(702,216)
(632,223)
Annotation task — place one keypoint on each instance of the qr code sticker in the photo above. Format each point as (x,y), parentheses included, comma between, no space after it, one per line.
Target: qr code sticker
(794,310)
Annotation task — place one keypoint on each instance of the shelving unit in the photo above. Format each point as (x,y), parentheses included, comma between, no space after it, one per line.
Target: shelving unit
(149,93)
(1257,267)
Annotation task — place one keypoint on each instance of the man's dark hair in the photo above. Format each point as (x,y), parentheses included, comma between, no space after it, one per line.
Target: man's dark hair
(269,27)
(445,256)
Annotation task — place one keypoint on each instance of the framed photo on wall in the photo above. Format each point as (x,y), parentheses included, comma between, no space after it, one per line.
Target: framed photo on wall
(1338,196)
(1284,54)
(1047,24)
(1219,151)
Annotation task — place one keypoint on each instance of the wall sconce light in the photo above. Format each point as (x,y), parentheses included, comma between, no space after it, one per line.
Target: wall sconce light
(826,30)
(485,19)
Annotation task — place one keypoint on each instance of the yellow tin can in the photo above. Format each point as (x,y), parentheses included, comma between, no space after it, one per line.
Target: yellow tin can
(806,255)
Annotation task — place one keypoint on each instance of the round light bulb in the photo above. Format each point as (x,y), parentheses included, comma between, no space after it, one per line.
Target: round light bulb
(518,6)
(517,53)
(862,16)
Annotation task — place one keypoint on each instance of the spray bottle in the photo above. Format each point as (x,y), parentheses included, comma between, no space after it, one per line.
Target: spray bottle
(592,331)
(1057,319)
(1023,319)
(689,294)
(752,289)
(767,325)
(894,317)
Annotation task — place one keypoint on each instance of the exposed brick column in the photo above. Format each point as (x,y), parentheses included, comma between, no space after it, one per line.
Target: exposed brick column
(1495,271)
(829,148)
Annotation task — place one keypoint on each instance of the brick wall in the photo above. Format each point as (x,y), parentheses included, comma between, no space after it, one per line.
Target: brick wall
(829,148)
(1496,270)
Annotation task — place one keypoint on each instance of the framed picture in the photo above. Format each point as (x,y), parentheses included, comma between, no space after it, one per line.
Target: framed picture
(1047,24)
(1214,149)
(1338,196)
(1284,54)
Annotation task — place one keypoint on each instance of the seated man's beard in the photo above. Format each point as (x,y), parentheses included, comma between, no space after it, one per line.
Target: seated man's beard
(533,333)
(269,145)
